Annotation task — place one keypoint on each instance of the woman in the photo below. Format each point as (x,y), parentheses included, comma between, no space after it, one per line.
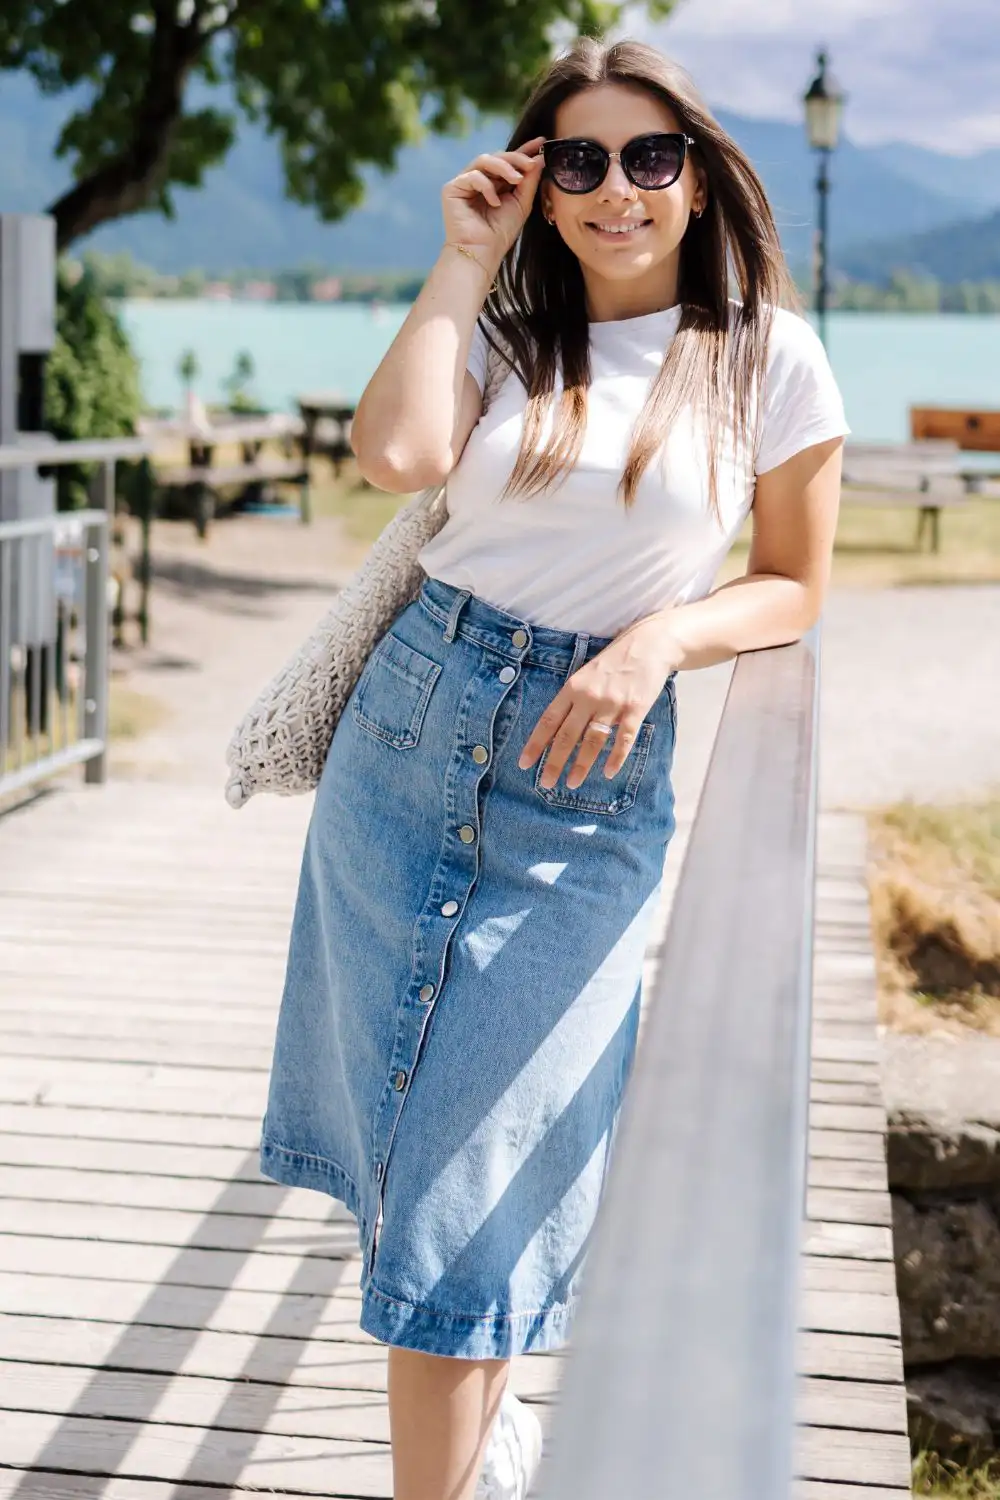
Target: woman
(485,852)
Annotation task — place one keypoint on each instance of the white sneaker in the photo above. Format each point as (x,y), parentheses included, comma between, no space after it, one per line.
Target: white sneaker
(512,1454)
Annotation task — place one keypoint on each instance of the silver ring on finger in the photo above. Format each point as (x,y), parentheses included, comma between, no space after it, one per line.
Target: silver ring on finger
(601,728)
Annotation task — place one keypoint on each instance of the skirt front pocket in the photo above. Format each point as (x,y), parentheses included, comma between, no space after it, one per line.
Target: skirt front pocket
(597,794)
(393,692)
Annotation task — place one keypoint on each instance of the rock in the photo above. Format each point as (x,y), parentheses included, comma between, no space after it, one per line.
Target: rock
(942,1096)
(956,1411)
(948,1276)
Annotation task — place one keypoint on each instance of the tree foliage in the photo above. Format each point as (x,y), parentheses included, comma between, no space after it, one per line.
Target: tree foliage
(91,377)
(340,83)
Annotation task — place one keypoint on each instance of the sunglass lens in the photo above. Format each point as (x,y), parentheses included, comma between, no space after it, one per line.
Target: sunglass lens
(654,161)
(576,167)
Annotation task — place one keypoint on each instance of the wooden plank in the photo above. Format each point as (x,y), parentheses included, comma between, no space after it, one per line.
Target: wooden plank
(292,1314)
(850,1312)
(844,1046)
(859,1405)
(866,1176)
(858,1241)
(52,1485)
(98,1123)
(865,1117)
(968,427)
(824,1070)
(817,1489)
(273,470)
(254,1406)
(847,1207)
(177,1050)
(174,1197)
(185,1265)
(320,1466)
(832,1273)
(159,1096)
(849,1356)
(855,1457)
(859,1092)
(847,1145)
(69,1225)
(317,1363)
(203,1164)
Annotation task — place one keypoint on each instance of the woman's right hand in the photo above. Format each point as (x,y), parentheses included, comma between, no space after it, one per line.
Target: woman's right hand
(486,205)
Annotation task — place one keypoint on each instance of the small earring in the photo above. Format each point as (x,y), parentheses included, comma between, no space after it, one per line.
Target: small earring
(698,212)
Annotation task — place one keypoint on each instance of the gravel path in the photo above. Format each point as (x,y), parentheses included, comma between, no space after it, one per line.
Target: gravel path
(911,694)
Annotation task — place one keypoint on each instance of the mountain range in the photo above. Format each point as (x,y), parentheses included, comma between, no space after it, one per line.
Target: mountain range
(889,204)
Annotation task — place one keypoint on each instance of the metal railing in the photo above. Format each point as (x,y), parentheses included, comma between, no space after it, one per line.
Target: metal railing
(55,623)
(681,1380)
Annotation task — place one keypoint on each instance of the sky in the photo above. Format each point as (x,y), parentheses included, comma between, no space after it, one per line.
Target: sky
(922,71)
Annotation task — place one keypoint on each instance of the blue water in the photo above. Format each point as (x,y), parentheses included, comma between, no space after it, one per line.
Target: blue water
(884,361)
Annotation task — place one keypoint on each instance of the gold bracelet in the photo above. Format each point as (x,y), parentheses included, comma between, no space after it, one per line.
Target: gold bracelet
(469,255)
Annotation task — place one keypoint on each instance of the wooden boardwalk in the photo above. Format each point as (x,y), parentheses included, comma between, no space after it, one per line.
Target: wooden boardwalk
(171,1324)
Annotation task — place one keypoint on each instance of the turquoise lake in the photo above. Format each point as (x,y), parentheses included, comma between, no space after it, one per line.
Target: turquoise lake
(884,361)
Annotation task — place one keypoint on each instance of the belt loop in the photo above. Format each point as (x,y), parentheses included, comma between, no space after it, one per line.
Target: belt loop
(579,652)
(460,601)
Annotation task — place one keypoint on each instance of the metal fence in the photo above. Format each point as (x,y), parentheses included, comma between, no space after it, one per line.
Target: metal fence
(54,623)
(681,1381)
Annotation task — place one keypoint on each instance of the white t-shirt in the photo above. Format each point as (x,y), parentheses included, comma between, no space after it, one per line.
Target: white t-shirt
(574,557)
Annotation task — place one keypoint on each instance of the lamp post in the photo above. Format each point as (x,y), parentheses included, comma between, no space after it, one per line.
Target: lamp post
(823,102)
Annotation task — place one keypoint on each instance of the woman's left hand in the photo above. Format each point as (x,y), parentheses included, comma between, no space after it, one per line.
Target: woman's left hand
(611,693)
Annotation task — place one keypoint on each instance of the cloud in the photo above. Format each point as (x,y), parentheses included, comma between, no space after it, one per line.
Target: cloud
(914,70)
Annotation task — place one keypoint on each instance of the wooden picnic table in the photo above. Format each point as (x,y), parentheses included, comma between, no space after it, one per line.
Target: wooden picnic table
(327,420)
(926,475)
(202,478)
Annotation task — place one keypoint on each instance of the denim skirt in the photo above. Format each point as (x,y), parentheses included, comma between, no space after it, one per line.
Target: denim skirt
(461,998)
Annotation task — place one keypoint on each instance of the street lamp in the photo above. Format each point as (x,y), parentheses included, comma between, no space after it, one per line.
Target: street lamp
(824,102)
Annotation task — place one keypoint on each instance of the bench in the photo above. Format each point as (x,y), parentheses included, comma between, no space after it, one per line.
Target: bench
(201,479)
(327,418)
(922,475)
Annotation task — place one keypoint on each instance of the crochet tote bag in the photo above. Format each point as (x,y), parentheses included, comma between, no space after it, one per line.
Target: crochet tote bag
(281,743)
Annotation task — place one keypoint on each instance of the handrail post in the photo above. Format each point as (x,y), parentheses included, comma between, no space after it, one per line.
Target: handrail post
(98,627)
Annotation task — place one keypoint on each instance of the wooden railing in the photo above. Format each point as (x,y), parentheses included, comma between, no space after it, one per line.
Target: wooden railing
(681,1381)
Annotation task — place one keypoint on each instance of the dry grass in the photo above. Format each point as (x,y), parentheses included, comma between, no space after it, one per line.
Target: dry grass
(131,714)
(934,877)
(363,510)
(875,548)
(936,1477)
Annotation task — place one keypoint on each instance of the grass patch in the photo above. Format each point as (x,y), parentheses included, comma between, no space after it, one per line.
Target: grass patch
(935,1476)
(934,879)
(131,714)
(364,510)
(876,548)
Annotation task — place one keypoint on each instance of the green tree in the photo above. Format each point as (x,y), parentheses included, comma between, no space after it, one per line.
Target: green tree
(91,377)
(340,85)
(187,369)
(236,383)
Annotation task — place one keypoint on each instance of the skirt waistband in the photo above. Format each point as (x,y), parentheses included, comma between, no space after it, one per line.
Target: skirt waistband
(461,613)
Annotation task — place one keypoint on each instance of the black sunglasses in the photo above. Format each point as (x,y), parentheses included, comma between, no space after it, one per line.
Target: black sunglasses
(650,162)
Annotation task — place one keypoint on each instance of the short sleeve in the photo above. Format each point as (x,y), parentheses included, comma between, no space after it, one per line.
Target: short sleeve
(478,351)
(802,404)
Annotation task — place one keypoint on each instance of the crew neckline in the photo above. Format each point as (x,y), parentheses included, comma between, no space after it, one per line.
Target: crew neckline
(667,315)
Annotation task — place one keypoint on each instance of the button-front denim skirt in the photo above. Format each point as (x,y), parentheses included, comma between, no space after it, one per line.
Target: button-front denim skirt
(461,1000)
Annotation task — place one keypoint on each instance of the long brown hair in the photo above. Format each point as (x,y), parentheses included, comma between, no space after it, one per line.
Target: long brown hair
(716,358)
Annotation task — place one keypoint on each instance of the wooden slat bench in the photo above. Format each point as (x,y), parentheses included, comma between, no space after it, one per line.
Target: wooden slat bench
(922,476)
